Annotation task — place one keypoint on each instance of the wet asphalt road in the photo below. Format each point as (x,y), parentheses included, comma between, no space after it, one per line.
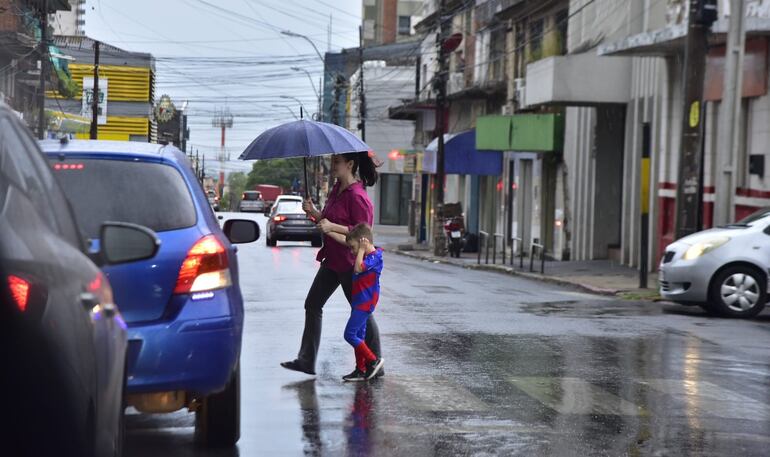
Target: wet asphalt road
(485,364)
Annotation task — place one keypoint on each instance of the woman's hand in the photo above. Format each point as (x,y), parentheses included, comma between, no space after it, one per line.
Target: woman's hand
(326,226)
(310,209)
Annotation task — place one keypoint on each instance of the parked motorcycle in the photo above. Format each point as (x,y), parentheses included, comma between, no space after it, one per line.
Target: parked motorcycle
(455,234)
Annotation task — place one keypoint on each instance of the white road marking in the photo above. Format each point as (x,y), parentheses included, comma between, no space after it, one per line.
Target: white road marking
(575,396)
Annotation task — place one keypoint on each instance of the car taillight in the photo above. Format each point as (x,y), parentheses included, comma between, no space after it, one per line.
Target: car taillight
(69,166)
(205,268)
(279,218)
(19,291)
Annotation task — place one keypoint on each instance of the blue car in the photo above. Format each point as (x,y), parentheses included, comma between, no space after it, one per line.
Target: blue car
(183,307)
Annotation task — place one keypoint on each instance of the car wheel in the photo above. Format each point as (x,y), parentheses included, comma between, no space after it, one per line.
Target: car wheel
(317,243)
(738,291)
(270,242)
(218,419)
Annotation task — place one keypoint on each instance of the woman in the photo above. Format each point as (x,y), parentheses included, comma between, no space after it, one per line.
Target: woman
(348,205)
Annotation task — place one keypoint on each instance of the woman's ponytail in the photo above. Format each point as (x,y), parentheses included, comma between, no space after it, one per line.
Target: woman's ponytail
(365,166)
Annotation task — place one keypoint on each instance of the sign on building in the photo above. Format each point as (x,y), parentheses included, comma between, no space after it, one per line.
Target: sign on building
(88,99)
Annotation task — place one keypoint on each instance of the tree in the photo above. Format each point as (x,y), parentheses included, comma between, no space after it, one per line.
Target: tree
(278,172)
(236,184)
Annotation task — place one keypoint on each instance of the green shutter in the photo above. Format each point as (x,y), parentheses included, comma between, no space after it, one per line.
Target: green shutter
(537,132)
(493,133)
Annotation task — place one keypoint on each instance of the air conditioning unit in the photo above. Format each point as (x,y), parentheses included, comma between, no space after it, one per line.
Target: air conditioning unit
(507,110)
(519,92)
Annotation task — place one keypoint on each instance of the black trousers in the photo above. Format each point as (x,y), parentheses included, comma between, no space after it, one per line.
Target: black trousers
(325,283)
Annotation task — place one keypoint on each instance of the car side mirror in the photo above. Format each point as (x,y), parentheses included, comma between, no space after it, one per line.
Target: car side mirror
(121,242)
(241,231)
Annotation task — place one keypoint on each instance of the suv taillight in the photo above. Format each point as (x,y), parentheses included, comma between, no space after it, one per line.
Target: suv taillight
(206,268)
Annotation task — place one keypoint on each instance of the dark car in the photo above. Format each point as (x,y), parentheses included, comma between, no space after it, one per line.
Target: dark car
(288,222)
(252,200)
(184,308)
(63,339)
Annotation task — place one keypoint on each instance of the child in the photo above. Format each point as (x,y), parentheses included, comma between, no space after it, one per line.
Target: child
(366,294)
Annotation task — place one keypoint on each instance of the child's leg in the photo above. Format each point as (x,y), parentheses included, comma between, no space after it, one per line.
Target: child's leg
(355,330)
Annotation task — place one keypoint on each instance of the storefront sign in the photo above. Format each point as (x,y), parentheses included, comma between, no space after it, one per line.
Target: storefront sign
(88,99)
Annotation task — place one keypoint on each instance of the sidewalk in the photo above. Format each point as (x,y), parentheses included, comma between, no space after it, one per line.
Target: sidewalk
(603,277)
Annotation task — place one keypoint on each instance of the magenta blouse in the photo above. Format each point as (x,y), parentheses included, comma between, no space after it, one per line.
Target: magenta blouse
(349,208)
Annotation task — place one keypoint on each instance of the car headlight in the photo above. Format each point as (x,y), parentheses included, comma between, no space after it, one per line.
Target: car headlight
(704,247)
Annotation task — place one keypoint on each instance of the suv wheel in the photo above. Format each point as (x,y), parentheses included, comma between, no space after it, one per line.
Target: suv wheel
(738,291)
(218,419)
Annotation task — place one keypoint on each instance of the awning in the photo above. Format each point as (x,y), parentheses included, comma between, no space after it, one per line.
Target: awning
(663,42)
(462,158)
(578,80)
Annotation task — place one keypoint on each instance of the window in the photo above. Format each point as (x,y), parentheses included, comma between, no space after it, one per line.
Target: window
(252,196)
(404,25)
(536,30)
(562,22)
(289,207)
(149,194)
(16,164)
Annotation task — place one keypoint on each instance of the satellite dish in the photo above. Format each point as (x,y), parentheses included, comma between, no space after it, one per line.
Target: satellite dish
(452,43)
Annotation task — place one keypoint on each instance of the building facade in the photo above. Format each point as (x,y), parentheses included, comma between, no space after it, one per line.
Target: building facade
(389,21)
(20,35)
(390,139)
(127,79)
(70,22)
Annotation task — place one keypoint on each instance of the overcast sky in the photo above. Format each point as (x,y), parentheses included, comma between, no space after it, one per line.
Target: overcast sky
(229,53)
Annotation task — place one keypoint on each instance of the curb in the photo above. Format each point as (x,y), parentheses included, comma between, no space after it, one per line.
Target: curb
(512,272)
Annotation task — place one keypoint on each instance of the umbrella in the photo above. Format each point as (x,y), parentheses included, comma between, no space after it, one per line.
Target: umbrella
(303,138)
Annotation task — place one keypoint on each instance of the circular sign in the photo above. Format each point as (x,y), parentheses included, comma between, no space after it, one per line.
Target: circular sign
(452,42)
(164,109)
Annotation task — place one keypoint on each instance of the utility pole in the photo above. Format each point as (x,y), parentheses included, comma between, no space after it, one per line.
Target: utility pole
(702,13)
(361,92)
(43,70)
(197,165)
(729,114)
(223,120)
(644,204)
(439,85)
(95,95)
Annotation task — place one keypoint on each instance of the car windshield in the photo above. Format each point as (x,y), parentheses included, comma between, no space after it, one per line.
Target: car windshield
(251,196)
(122,191)
(290,207)
(754,217)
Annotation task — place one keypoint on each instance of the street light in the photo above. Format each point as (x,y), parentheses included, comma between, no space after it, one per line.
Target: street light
(297,35)
(289,97)
(310,77)
(317,91)
(288,108)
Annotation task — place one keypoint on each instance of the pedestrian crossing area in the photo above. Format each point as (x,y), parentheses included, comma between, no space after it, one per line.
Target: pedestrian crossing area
(575,396)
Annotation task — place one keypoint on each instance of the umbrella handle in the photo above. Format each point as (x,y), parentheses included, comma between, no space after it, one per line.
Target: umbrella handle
(307,184)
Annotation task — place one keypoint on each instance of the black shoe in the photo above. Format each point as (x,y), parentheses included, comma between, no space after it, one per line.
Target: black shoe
(373,367)
(380,373)
(355,376)
(296,365)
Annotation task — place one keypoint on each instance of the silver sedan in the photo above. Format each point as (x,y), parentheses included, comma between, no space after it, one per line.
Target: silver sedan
(724,270)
